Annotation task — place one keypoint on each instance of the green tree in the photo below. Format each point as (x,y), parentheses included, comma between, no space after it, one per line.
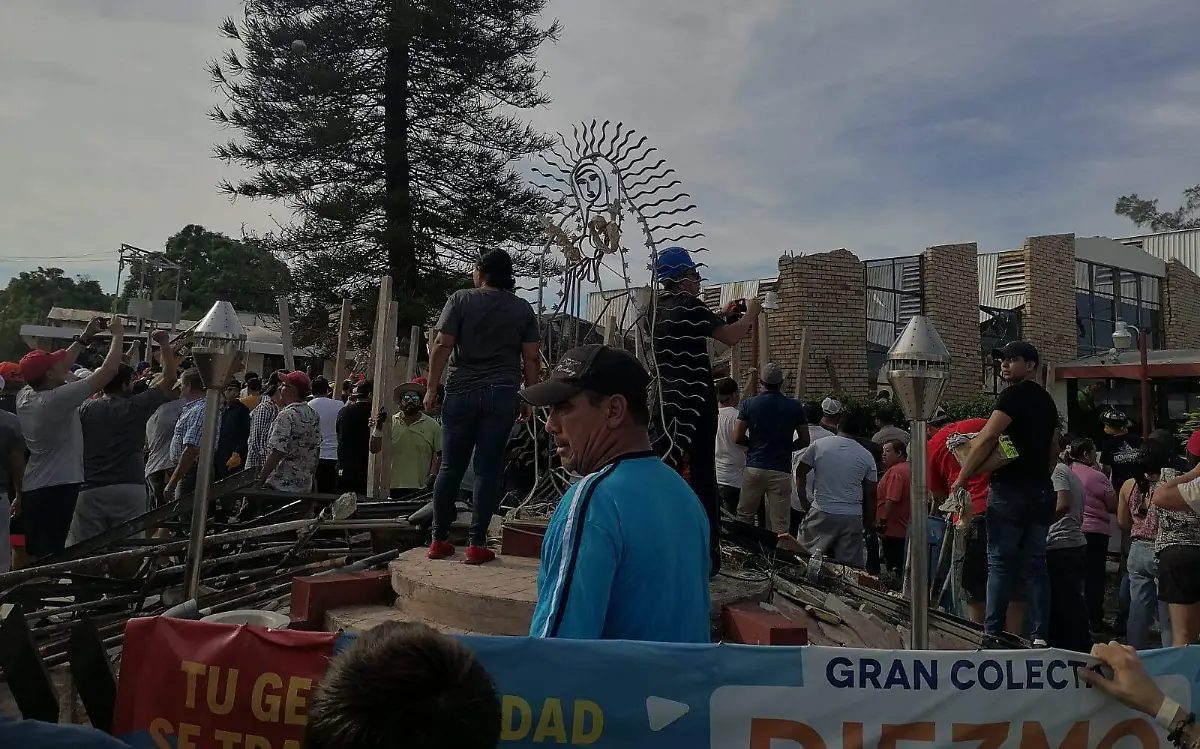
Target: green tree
(213,268)
(29,296)
(1144,212)
(389,127)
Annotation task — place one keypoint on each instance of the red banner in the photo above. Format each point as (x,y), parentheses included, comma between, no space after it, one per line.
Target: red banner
(193,685)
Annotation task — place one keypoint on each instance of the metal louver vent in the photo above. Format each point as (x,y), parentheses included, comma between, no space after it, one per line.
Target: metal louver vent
(1010,273)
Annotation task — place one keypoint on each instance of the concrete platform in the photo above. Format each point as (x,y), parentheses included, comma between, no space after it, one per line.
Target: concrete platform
(498,598)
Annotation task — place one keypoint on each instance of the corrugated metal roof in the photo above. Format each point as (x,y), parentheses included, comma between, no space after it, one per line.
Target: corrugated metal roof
(1182,245)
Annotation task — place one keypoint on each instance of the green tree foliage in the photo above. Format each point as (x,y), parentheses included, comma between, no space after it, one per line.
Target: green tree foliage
(216,267)
(389,127)
(1144,212)
(29,296)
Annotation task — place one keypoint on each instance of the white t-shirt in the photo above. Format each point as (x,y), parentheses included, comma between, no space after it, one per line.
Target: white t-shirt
(327,409)
(839,465)
(731,457)
(815,432)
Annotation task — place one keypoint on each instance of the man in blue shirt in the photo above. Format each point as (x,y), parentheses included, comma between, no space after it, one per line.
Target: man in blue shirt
(625,556)
(772,426)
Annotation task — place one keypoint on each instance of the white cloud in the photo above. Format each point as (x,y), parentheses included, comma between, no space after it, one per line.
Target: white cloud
(880,127)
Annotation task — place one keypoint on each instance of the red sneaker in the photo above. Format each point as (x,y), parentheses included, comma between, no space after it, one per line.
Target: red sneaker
(440,550)
(479,555)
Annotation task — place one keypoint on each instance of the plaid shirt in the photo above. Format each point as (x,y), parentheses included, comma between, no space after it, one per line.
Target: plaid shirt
(260,429)
(188,429)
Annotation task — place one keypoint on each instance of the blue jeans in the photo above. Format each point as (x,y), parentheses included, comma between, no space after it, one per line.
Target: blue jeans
(1018,518)
(476,422)
(1144,605)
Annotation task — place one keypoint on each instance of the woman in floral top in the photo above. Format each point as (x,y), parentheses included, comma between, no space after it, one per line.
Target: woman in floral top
(1178,550)
(1137,515)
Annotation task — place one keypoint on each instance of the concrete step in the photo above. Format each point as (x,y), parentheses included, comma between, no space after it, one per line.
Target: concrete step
(492,599)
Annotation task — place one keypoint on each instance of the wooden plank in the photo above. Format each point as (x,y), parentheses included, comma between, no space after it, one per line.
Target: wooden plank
(339,362)
(801,365)
(382,363)
(285,331)
(413,338)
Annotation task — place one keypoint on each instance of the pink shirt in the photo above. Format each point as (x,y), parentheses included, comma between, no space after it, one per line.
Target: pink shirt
(1100,492)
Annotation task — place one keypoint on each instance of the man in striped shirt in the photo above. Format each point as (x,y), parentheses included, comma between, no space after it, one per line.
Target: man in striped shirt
(625,556)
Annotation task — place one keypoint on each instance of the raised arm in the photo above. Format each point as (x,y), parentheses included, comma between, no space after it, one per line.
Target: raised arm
(112,361)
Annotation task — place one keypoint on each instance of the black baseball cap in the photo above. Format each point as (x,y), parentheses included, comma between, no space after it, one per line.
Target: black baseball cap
(598,368)
(1016,350)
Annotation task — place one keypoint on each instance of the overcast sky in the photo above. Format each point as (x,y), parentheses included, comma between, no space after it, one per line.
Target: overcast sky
(882,126)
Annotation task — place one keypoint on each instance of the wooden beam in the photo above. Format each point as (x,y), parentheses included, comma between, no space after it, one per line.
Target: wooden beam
(802,365)
(383,362)
(339,362)
(285,331)
(413,350)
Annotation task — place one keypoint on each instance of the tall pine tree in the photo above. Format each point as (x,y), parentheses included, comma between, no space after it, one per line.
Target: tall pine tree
(390,128)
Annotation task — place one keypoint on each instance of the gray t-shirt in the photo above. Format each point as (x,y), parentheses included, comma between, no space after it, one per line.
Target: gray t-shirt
(1067,531)
(50,421)
(114,437)
(489,328)
(840,465)
(11,440)
(159,431)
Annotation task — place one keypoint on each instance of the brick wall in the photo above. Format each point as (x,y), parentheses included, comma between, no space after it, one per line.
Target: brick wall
(1182,314)
(825,293)
(1049,318)
(951,290)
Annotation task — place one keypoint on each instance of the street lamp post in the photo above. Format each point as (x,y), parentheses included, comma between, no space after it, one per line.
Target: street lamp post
(1122,340)
(918,369)
(218,343)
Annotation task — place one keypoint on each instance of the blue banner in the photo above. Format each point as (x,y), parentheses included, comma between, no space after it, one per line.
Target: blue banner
(630,695)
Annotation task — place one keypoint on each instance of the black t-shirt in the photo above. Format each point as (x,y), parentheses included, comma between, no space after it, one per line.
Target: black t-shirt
(1120,453)
(354,441)
(1034,420)
(682,327)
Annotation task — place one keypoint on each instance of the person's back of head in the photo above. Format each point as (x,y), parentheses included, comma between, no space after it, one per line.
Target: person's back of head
(253,384)
(404,684)
(320,388)
(121,381)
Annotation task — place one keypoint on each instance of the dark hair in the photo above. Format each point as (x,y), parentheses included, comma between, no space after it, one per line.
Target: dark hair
(190,380)
(639,406)
(404,684)
(1078,448)
(1152,458)
(1164,438)
(123,377)
(320,387)
(139,387)
(726,387)
(364,389)
(252,376)
(497,269)
(273,382)
(253,383)
(813,413)
(898,446)
(853,421)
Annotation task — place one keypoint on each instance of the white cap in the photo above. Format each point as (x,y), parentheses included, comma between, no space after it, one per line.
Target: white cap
(831,406)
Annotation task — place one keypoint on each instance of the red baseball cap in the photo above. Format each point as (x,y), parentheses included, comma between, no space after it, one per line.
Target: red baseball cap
(1193,444)
(298,380)
(10,371)
(37,363)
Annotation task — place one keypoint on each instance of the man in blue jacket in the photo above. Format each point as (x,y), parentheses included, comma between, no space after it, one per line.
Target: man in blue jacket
(625,556)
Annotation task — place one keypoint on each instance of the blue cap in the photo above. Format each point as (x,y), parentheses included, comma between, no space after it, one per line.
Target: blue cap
(674,262)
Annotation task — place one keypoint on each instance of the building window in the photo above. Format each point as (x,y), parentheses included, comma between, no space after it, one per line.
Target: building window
(894,296)
(996,328)
(1105,294)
